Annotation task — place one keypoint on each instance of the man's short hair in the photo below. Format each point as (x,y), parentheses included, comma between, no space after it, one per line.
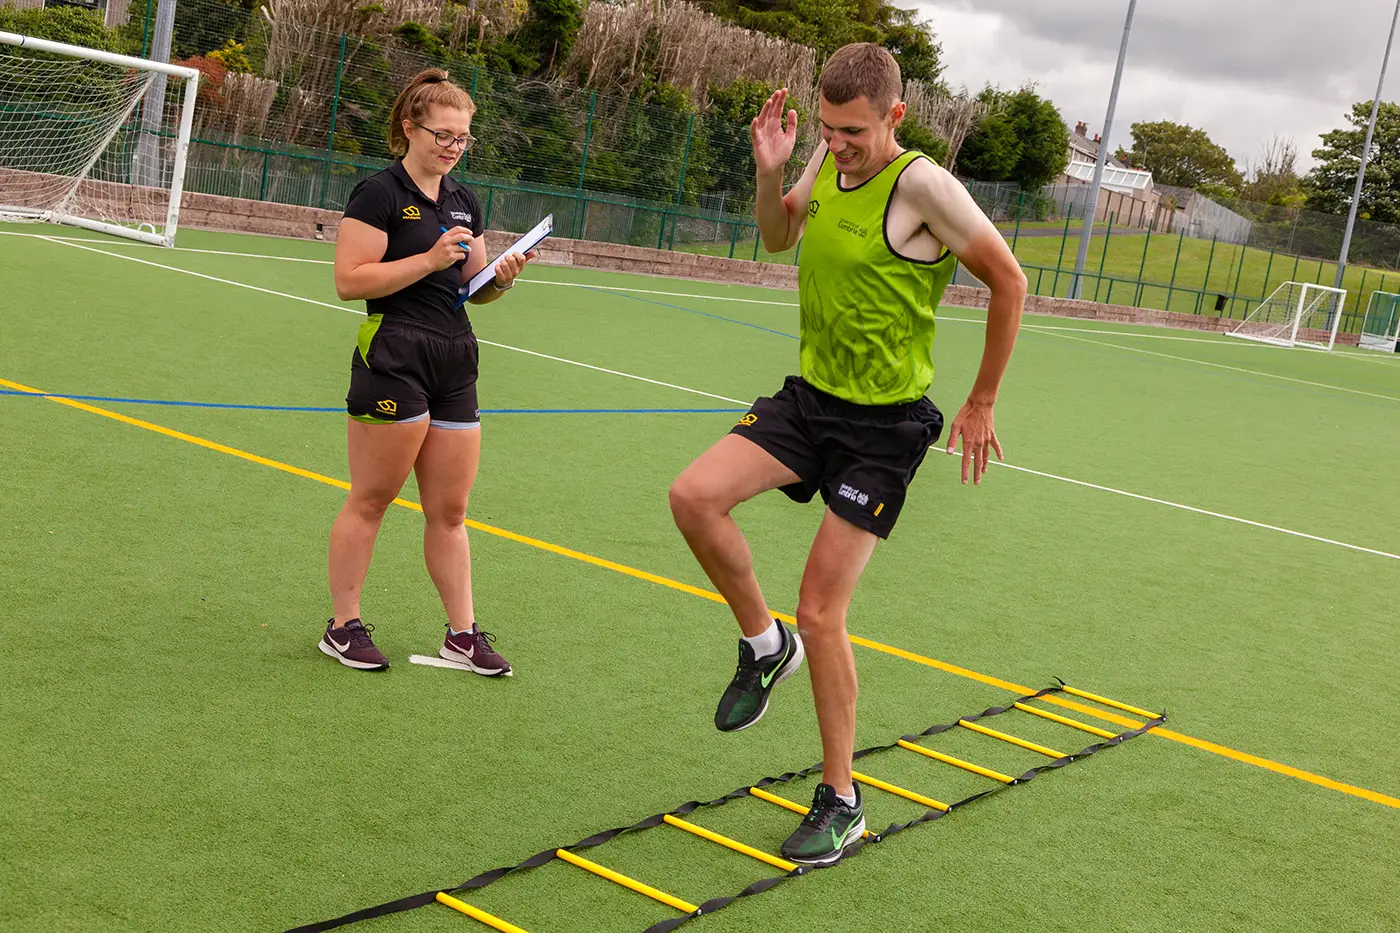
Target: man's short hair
(862,69)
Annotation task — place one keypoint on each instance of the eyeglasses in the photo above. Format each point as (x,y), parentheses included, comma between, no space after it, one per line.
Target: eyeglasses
(446,140)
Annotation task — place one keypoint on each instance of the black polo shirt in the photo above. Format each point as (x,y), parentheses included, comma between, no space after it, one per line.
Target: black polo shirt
(390,201)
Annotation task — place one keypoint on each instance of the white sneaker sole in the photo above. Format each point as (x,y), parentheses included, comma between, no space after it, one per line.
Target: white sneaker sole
(855,832)
(788,670)
(330,652)
(461,662)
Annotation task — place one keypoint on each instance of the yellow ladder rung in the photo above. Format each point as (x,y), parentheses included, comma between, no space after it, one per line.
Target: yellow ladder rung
(957,762)
(656,895)
(1084,694)
(477,913)
(900,792)
(1065,721)
(728,843)
(1049,752)
(786,804)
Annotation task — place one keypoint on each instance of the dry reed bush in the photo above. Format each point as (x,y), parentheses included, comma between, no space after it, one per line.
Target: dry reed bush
(950,117)
(678,43)
(498,17)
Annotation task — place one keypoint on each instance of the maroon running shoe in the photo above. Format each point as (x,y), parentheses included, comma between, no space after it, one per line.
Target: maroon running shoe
(352,646)
(473,650)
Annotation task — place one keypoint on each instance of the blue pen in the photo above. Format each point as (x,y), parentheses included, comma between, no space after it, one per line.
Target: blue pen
(464,246)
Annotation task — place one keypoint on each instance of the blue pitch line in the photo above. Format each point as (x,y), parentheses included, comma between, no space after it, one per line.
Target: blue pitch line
(717,317)
(486,411)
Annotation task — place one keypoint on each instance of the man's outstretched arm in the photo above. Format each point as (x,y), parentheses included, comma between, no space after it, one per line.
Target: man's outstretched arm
(954,218)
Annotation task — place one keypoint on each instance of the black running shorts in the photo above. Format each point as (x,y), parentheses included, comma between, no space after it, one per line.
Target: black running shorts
(861,458)
(404,370)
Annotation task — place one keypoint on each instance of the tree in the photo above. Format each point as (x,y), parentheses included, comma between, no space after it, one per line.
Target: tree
(914,135)
(1331,183)
(549,31)
(1181,155)
(1273,175)
(73,25)
(1023,140)
(826,25)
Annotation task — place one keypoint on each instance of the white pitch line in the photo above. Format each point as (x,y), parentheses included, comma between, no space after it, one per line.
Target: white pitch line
(1064,479)
(326,304)
(1237,369)
(430,661)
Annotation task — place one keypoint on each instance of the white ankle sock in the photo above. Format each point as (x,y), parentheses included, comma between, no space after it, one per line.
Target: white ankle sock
(767,643)
(848,801)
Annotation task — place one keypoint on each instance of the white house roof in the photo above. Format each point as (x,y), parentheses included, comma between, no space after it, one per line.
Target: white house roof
(1114,179)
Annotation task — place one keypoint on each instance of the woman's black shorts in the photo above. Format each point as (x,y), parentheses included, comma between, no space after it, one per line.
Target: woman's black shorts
(403,370)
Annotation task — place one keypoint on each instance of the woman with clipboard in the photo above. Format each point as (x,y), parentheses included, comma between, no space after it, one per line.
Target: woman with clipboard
(410,239)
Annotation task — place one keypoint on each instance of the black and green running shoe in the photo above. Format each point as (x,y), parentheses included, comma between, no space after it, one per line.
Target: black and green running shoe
(826,830)
(745,700)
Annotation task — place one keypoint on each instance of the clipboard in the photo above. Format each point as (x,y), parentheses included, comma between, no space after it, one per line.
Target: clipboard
(523,245)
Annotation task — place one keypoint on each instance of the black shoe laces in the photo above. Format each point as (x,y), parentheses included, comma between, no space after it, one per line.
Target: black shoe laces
(484,640)
(359,635)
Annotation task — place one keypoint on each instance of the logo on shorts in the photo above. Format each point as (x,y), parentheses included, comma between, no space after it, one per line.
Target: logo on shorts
(463,217)
(749,419)
(813,207)
(855,495)
(387,406)
(412,213)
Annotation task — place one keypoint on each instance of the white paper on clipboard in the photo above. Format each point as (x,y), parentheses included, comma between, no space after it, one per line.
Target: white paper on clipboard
(523,245)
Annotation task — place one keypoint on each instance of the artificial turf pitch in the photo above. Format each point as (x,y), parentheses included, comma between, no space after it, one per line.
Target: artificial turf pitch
(176,755)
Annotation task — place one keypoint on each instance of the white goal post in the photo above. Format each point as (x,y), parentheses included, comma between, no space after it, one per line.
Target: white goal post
(1296,314)
(1381,328)
(71,150)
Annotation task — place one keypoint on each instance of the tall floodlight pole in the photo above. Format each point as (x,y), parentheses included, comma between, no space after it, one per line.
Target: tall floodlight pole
(1366,153)
(1092,208)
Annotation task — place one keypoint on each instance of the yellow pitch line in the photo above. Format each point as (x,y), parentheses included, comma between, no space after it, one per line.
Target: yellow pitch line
(631,883)
(1172,735)
(477,913)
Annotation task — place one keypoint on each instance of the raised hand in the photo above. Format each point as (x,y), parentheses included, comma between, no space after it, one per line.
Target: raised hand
(772,143)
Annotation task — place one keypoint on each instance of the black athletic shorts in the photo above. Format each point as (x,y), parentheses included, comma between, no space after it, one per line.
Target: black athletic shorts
(405,370)
(861,458)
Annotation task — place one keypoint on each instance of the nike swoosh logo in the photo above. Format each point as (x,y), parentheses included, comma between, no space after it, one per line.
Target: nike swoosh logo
(341,648)
(469,652)
(767,679)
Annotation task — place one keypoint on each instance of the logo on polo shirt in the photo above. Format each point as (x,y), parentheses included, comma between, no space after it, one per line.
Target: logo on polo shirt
(412,213)
(465,218)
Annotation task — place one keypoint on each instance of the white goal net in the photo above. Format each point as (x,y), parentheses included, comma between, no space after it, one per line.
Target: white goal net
(1296,314)
(93,139)
(1381,329)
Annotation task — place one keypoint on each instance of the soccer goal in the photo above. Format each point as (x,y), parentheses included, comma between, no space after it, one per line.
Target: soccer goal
(1296,314)
(1381,328)
(93,139)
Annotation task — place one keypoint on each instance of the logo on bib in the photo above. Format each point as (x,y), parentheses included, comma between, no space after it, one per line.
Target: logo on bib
(851,227)
(813,207)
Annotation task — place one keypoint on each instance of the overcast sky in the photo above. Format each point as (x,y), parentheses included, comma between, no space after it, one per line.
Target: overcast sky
(1240,69)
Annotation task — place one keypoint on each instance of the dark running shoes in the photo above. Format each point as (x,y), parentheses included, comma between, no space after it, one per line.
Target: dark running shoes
(826,830)
(745,700)
(352,646)
(472,650)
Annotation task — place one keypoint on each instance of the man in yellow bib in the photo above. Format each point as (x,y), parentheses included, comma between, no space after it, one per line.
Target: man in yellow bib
(880,229)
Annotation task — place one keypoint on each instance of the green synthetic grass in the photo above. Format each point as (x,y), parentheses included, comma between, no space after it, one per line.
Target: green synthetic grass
(178,756)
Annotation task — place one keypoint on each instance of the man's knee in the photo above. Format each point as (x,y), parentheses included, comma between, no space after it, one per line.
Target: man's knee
(819,620)
(691,504)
